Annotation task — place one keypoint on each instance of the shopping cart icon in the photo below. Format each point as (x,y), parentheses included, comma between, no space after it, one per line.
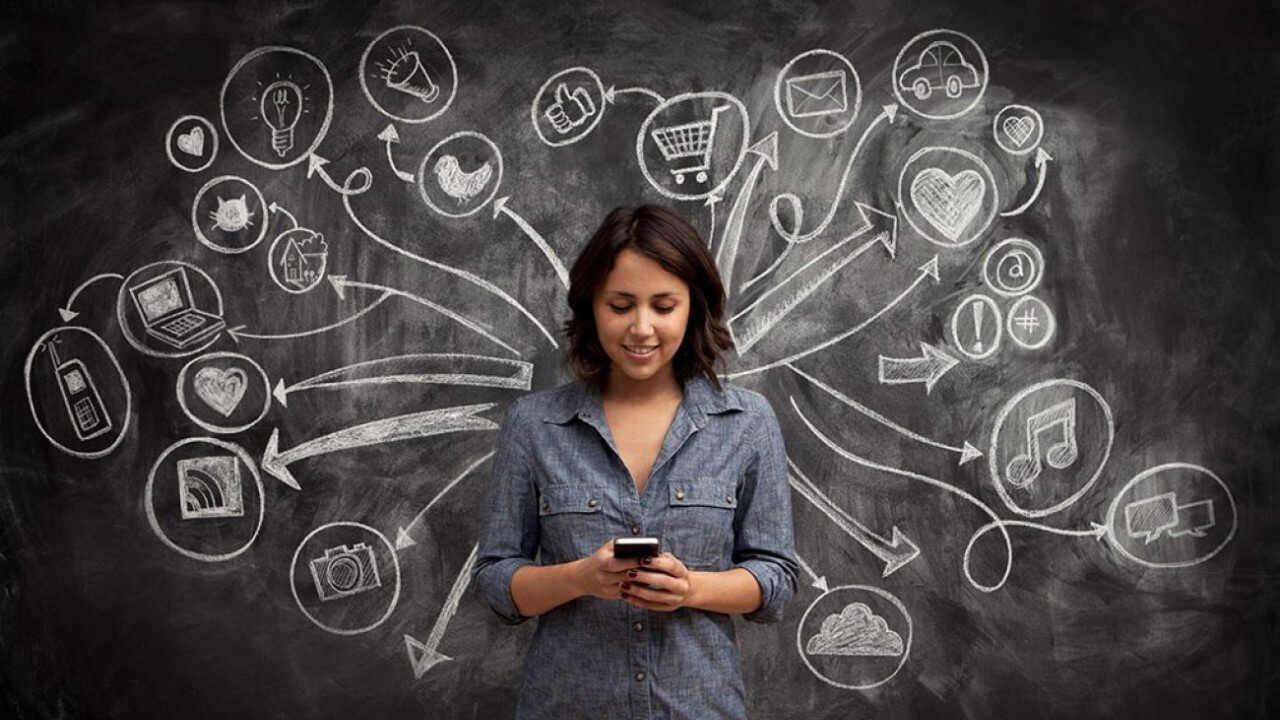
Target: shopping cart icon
(694,140)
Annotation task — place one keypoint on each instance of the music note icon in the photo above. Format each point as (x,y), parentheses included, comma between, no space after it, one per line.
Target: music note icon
(1025,468)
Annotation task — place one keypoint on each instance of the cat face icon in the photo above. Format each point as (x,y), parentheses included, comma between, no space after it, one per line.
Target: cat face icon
(232,215)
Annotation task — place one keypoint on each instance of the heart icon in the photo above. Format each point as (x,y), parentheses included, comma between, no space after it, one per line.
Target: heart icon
(192,143)
(948,202)
(1019,128)
(221,389)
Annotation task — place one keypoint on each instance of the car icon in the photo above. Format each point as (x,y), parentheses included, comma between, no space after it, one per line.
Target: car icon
(941,67)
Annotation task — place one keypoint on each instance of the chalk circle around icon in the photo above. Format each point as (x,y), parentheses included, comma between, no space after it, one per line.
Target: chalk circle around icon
(1049,445)
(680,142)
(1166,516)
(1018,129)
(170,309)
(940,74)
(948,195)
(568,106)
(345,578)
(1030,323)
(1013,267)
(79,396)
(191,143)
(818,94)
(859,638)
(408,74)
(198,501)
(298,260)
(976,327)
(229,215)
(224,392)
(276,106)
(460,174)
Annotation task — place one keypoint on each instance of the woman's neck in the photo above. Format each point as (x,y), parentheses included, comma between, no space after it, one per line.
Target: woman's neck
(628,391)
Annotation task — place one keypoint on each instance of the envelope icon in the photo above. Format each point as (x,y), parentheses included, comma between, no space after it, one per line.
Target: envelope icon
(816,95)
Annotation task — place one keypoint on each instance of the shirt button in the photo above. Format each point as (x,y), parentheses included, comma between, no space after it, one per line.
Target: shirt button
(592,502)
(728,498)
(638,626)
(640,677)
(635,529)
(679,494)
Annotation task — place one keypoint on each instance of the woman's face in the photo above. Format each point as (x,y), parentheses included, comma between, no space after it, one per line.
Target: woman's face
(641,313)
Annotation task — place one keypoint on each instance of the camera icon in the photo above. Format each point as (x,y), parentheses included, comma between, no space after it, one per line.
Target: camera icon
(344,571)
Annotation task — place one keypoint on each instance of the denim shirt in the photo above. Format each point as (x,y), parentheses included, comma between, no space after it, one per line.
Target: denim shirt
(717,497)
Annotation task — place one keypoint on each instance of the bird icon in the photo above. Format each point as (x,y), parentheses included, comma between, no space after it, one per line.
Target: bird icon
(459,184)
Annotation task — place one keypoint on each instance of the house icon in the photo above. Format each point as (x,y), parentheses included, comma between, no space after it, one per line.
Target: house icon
(303,261)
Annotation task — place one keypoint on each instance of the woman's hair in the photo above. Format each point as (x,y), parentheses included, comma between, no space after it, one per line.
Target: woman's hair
(666,238)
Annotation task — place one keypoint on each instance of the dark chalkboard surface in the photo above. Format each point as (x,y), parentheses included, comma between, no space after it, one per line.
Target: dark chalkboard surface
(271,274)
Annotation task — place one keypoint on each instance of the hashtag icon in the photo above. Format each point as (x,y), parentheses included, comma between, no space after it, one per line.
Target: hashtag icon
(1028,321)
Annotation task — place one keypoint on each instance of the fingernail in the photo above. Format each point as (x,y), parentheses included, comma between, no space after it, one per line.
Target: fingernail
(633,574)
(646,560)
(624,585)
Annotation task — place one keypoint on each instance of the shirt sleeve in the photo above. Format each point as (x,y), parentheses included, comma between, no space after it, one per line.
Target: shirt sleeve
(763,538)
(509,538)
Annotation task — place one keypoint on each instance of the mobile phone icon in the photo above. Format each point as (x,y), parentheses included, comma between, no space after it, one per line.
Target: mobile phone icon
(80,396)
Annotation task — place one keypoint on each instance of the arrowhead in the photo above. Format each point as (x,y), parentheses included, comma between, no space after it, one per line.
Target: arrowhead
(931,268)
(891,112)
(235,333)
(339,283)
(499,205)
(273,207)
(712,199)
(67,314)
(421,657)
(968,453)
(767,148)
(906,552)
(389,134)
(280,393)
(821,584)
(609,94)
(403,540)
(272,465)
(314,163)
(880,220)
(1042,157)
(939,363)
(1099,530)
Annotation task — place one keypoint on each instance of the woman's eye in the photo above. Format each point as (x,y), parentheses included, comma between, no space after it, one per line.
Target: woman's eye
(619,309)
(664,310)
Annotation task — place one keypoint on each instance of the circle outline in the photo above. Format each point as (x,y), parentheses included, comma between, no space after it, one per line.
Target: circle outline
(137,344)
(195,220)
(422,171)
(906,652)
(222,105)
(982,165)
(168,143)
(128,394)
(1115,504)
(364,83)
(1051,325)
(668,103)
(786,118)
(395,563)
(533,109)
(1036,256)
(182,399)
(271,264)
(986,75)
(955,330)
(995,129)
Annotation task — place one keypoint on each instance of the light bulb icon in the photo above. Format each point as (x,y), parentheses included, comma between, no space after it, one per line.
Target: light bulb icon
(281,107)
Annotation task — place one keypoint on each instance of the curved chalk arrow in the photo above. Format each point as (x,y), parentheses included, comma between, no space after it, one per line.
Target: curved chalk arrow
(238,333)
(275,208)
(315,166)
(425,655)
(928,368)
(393,429)
(390,137)
(440,369)
(403,538)
(895,552)
(66,312)
(967,452)
(610,95)
(766,150)
(1042,167)
(500,208)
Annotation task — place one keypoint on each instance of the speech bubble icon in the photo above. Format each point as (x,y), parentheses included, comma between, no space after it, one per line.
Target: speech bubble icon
(1193,519)
(1147,519)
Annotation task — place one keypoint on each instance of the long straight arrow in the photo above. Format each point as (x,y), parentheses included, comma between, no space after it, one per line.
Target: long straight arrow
(894,553)
(393,429)
(1042,169)
(927,369)
(238,333)
(967,452)
(340,284)
(424,656)
(500,208)
(315,166)
(986,509)
(887,113)
(390,137)
(403,538)
(766,150)
(927,270)
(66,312)
(814,579)
(442,369)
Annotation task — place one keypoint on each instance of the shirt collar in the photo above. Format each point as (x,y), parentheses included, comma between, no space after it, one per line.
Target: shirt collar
(701,399)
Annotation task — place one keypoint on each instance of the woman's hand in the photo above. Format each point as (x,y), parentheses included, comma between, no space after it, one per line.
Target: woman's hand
(600,574)
(667,579)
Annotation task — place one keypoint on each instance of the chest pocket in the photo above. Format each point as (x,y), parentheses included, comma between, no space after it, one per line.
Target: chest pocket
(572,524)
(698,527)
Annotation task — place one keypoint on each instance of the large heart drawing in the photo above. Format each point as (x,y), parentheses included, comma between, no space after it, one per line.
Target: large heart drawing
(948,202)
(192,143)
(1019,128)
(221,388)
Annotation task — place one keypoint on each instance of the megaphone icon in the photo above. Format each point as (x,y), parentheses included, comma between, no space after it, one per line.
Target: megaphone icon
(407,74)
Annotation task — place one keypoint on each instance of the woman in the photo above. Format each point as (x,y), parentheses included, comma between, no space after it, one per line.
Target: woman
(646,442)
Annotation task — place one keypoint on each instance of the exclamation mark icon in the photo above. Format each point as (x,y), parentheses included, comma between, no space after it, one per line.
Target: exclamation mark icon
(977,328)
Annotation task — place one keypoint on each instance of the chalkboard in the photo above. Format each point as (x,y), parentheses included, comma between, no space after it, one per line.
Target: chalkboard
(272,273)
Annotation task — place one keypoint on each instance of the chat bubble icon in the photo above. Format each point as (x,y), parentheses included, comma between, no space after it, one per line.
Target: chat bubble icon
(1149,518)
(1193,519)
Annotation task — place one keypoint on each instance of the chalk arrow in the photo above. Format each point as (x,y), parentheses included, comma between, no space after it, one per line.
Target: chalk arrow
(928,368)
(275,208)
(610,95)
(401,427)
(66,312)
(425,655)
(873,220)
(766,152)
(390,137)
(315,166)
(712,200)
(814,579)
(1100,531)
(500,208)
(238,332)
(403,538)
(1042,167)
(895,552)
(422,368)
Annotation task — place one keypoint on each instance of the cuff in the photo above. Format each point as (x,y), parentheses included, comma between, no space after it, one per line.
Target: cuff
(493,586)
(777,586)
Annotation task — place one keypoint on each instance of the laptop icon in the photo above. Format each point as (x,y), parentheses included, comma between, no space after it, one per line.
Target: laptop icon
(166,307)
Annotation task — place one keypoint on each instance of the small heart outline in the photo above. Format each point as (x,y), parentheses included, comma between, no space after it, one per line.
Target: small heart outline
(221,388)
(192,142)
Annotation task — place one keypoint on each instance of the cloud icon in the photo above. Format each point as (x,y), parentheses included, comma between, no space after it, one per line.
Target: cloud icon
(855,631)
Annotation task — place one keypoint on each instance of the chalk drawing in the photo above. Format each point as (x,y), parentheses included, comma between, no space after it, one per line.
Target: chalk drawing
(65,312)
(361,553)
(220,381)
(298,259)
(1018,129)
(449,189)
(927,369)
(211,453)
(233,224)
(822,93)
(431,368)
(766,152)
(191,143)
(158,298)
(403,537)
(299,87)
(1042,169)
(408,74)
(684,131)
(950,198)
(1030,323)
(80,381)
(500,208)
(854,642)
(1013,267)
(940,74)
(1171,516)
(568,106)
(976,327)
(425,655)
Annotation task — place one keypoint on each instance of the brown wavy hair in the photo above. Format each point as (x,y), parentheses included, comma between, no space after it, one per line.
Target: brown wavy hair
(665,237)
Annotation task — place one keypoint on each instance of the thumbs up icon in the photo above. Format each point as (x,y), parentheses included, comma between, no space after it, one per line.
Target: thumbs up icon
(569,109)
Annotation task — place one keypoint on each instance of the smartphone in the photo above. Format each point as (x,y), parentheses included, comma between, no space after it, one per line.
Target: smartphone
(635,547)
